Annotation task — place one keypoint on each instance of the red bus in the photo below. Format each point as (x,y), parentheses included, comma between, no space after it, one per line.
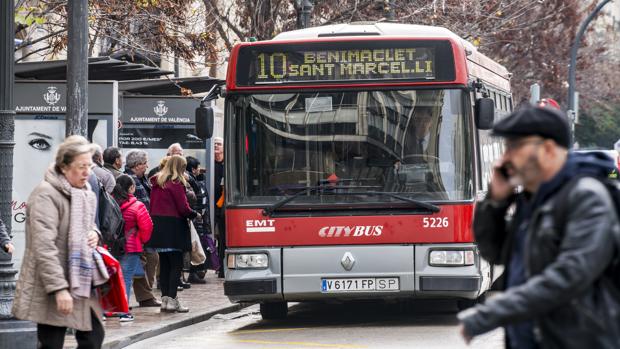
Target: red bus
(354,157)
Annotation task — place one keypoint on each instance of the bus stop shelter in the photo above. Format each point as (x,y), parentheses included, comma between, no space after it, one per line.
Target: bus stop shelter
(130,106)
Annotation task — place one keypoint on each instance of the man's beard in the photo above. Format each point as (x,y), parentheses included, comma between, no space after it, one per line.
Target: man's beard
(529,173)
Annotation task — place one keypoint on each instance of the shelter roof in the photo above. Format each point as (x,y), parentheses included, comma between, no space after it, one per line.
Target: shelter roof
(169,86)
(133,78)
(99,68)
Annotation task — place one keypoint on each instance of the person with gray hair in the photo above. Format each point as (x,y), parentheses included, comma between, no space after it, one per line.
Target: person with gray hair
(105,177)
(218,189)
(136,163)
(58,275)
(173,149)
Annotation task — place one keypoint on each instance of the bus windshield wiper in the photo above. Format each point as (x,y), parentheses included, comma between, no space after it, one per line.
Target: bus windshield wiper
(425,205)
(269,210)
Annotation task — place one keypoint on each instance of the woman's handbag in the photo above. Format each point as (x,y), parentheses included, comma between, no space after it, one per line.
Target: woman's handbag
(112,295)
(198,255)
(213,261)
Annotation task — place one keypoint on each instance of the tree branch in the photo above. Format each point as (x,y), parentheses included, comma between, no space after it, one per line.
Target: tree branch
(37,40)
(32,52)
(230,25)
(223,35)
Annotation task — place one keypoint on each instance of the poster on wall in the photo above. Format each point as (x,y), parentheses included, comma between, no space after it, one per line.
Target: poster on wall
(40,129)
(36,142)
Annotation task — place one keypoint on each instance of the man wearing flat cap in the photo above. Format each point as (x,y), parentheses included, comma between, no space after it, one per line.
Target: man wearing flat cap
(556,294)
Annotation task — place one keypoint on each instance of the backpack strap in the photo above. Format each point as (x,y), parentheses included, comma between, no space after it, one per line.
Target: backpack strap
(560,205)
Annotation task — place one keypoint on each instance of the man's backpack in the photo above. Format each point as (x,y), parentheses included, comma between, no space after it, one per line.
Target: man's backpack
(111,223)
(561,211)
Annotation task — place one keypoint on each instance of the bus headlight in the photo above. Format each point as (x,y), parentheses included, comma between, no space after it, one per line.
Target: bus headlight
(247,261)
(451,258)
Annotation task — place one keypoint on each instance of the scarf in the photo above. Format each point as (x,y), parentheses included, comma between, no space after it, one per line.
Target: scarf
(86,268)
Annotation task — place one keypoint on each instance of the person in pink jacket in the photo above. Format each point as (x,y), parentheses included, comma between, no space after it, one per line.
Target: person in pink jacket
(138,229)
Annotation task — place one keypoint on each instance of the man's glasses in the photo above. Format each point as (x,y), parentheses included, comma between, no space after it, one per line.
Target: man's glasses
(510,146)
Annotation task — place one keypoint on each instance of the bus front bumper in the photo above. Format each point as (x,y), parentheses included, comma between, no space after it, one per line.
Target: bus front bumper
(302,273)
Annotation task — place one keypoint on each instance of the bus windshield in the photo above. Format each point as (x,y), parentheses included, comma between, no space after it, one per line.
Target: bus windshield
(416,143)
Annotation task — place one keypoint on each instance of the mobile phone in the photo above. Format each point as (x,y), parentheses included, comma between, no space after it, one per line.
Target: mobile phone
(503,171)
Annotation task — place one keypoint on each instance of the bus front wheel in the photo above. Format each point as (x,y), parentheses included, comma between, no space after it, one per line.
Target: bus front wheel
(273,310)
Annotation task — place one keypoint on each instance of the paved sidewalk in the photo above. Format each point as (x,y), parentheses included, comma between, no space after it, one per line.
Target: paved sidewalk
(203,301)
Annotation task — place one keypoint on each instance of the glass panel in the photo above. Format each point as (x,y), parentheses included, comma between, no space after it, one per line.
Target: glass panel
(415,143)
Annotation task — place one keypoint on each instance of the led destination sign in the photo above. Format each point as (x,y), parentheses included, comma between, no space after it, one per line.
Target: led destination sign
(332,62)
(390,63)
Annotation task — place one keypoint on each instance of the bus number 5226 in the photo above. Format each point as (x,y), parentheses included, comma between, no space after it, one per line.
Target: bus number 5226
(432,222)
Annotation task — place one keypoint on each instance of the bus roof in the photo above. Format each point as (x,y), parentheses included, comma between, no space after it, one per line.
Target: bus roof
(369,29)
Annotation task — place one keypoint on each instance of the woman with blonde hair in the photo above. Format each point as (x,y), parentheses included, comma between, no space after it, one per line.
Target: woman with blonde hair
(59,271)
(170,212)
(163,161)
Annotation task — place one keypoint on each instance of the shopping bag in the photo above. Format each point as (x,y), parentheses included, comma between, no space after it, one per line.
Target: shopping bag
(198,255)
(213,260)
(112,295)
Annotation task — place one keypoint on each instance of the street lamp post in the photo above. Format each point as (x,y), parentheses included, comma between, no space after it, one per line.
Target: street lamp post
(306,12)
(13,333)
(573,61)
(77,68)
(389,9)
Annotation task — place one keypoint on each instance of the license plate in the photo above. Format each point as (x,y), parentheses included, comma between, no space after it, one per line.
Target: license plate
(360,285)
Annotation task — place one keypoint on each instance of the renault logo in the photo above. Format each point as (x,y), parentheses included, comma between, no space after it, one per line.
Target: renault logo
(347,261)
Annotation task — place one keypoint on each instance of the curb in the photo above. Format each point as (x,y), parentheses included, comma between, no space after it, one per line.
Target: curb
(123,342)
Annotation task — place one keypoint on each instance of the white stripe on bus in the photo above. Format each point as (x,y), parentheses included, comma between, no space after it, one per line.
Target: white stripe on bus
(261,230)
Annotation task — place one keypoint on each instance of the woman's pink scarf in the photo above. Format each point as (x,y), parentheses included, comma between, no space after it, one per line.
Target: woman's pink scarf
(86,268)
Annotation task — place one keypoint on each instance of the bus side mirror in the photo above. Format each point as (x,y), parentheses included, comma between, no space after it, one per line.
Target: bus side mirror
(204,122)
(484,113)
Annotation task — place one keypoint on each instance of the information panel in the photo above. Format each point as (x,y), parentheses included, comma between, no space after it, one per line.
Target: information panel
(345,62)
(161,138)
(158,121)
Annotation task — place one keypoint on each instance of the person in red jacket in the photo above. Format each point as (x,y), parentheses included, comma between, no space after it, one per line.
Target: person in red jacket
(171,235)
(138,229)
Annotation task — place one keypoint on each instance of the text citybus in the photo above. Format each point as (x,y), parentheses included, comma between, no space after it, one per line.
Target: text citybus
(354,156)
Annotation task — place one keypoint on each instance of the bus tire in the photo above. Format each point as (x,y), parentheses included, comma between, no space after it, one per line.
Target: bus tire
(274,310)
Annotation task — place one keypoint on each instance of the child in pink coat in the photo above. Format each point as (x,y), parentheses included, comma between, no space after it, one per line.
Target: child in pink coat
(138,229)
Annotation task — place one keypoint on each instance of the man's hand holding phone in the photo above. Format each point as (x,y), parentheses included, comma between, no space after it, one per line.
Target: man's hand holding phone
(500,186)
